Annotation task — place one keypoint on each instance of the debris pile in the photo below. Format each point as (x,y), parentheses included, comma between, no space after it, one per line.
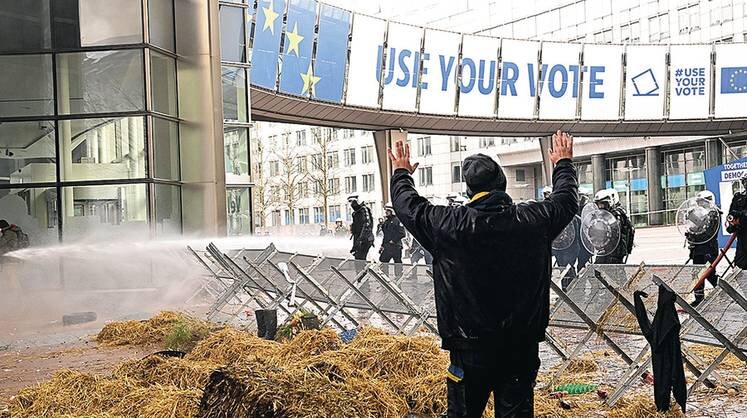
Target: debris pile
(232,373)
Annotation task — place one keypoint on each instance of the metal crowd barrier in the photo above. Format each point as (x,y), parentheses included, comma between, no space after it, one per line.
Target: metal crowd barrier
(344,293)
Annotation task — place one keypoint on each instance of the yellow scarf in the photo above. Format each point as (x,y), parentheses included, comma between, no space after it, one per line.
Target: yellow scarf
(478,196)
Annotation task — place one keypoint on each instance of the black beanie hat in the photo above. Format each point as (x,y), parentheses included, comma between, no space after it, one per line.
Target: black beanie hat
(4,224)
(482,174)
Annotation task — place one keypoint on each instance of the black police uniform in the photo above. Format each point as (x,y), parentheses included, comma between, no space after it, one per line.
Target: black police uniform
(703,253)
(361,231)
(391,246)
(738,210)
(627,234)
(491,273)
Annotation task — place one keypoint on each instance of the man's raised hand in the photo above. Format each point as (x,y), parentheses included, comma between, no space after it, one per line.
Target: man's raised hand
(401,157)
(562,146)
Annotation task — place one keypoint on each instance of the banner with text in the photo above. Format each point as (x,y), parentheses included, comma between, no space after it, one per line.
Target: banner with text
(518,84)
(602,82)
(559,80)
(440,70)
(689,81)
(477,83)
(401,67)
(646,72)
(363,79)
(731,81)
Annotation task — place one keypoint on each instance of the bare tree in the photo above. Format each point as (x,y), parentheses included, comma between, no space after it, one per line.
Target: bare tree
(322,168)
(292,178)
(263,195)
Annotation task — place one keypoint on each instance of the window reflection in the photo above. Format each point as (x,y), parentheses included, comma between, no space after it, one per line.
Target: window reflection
(234,94)
(105,81)
(232,34)
(26,85)
(98,212)
(34,210)
(163,83)
(95,149)
(236,155)
(24,25)
(27,153)
(168,210)
(239,214)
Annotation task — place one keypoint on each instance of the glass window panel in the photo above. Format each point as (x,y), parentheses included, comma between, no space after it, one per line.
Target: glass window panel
(97,149)
(234,94)
(161,21)
(163,83)
(99,212)
(232,37)
(105,81)
(34,210)
(24,25)
(102,23)
(237,155)
(239,215)
(168,210)
(27,152)
(26,85)
(165,149)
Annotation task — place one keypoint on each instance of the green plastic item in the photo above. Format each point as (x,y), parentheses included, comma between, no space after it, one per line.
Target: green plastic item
(576,388)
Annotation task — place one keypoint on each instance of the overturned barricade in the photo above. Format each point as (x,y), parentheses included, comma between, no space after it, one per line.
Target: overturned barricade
(345,293)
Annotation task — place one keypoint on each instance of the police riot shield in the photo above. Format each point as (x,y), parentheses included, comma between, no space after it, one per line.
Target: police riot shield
(588,208)
(600,232)
(698,220)
(567,236)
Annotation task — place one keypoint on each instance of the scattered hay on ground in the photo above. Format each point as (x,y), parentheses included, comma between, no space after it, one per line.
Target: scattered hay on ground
(229,345)
(166,371)
(583,365)
(155,330)
(76,394)
(709,353)
(642,406)
(234,373)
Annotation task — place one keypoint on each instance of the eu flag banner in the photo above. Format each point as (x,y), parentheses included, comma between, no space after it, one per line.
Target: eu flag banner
(297,76)
(733,80)
(266,47)
(331,53)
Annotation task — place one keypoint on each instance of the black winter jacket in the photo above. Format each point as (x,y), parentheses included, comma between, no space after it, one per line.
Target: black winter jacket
(362,228)
(491,259)
(738,210)
(393,231)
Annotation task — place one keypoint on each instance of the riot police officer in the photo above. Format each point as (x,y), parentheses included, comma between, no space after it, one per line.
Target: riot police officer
(361,231)
(391,246)
(609,200)
(704,250)
(583,254)
(737,220)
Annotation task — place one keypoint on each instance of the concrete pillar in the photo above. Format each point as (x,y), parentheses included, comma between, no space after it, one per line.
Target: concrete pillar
(547,166)
(383,140)
(713,153)
(654,191)
(597,172)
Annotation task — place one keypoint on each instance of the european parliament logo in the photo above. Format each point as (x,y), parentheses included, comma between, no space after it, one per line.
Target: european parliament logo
(733,80)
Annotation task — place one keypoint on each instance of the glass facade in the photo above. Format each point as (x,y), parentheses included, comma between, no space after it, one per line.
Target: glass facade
(627,175)
(235,28)
(682,178)
(86,147)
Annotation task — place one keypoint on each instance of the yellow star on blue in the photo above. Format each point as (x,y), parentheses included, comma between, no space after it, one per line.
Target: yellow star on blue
(295,40)
(738,87)
(270,16)
(309,81)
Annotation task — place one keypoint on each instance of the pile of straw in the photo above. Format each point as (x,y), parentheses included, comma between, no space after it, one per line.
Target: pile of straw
(231,373)
(71,393)
(153,330)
